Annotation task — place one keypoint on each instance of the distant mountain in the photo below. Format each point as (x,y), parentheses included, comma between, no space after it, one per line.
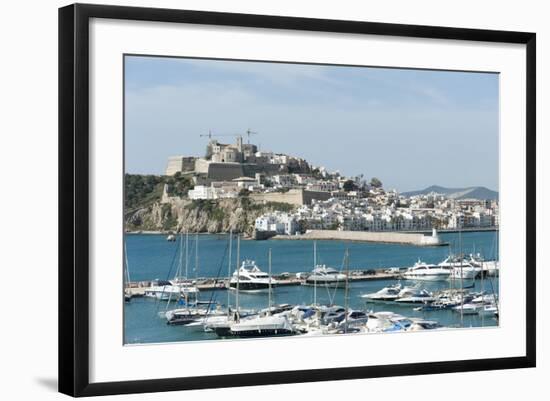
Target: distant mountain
(457,193)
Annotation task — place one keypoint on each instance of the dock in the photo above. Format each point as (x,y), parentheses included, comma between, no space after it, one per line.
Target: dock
(138,288)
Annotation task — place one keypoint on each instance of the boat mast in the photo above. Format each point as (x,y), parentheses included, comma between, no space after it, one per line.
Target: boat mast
(461,278)
(497,260)
(186,253)
(180,265)
(127,271)
(482,291)
(238,273)
(269,299)
(346,293)
(196,254)
(229,270)
(127,291)
(314,274)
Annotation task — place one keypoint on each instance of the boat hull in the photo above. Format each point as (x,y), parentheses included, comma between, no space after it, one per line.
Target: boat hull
(245,286)
(426,277)
(261,333)
(325,283)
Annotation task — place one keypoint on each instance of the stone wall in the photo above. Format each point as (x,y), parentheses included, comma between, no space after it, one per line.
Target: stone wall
(294,196)
(180,164)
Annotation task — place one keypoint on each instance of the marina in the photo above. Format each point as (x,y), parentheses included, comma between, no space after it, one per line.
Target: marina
(286,302)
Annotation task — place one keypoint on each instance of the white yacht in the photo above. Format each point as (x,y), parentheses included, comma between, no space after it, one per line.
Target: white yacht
(390,293)
(466,272)
(251,278)
(426,272)
(355,318)
(384,322)
(324,275)
(166,291)
(489,267)
(450,262)
(413,295)
(262,326)
(192,313)
(467,309)
(489,310)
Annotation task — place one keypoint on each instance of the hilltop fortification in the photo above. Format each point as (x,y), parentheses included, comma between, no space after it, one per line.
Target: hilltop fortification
(223,162)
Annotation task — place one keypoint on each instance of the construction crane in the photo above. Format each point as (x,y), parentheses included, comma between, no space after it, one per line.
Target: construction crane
(210,135)
(249,132)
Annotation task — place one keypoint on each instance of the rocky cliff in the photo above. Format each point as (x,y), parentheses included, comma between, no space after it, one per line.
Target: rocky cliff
(179,215)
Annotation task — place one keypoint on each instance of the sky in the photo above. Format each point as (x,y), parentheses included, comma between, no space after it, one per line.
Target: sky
(409,128)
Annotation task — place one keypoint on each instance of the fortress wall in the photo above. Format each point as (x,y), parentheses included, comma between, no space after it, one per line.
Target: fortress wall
(294,196)
(224,171)
(180,164)
(201,166)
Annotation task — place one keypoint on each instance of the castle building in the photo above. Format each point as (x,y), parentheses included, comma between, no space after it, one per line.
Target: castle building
(224,162)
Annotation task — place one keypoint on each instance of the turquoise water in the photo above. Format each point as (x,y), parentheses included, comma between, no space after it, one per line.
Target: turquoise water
(152,257)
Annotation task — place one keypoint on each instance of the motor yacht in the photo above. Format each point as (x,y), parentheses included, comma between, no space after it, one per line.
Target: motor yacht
(414,295)
(262,326)
(389,293)
(323,275)
(250,278)
(426,272)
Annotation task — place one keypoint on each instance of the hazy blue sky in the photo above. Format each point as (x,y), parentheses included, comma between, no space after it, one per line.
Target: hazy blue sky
(409,128)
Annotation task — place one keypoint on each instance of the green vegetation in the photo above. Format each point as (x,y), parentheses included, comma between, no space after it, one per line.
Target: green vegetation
(178,185)
(141,190)
(334,226)
(280,206)
(210,207)
(169,221)
(350,185)
(375,182)
(316,173)
(244,192)
(144,190)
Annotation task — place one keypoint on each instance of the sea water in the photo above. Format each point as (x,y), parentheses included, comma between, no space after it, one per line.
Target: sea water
(152,257)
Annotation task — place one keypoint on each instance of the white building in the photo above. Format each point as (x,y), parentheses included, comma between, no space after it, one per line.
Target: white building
(281,223)
(202,192)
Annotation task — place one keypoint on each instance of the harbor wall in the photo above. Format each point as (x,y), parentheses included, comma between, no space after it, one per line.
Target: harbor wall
(367,236)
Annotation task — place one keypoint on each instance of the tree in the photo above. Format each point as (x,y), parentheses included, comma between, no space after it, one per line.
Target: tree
(350,185)
(244,192)
(375,182)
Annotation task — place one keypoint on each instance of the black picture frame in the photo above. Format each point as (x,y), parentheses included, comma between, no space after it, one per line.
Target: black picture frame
(74,198)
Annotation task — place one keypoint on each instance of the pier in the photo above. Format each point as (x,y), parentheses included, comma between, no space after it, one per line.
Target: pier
(138,288)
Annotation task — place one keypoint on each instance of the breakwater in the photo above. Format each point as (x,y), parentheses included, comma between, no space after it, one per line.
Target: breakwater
(416,239)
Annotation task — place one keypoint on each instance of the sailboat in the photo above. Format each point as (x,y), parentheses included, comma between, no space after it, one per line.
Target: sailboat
(221,325)
(127,292)
(267,325)
(179,287)
(193,309)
